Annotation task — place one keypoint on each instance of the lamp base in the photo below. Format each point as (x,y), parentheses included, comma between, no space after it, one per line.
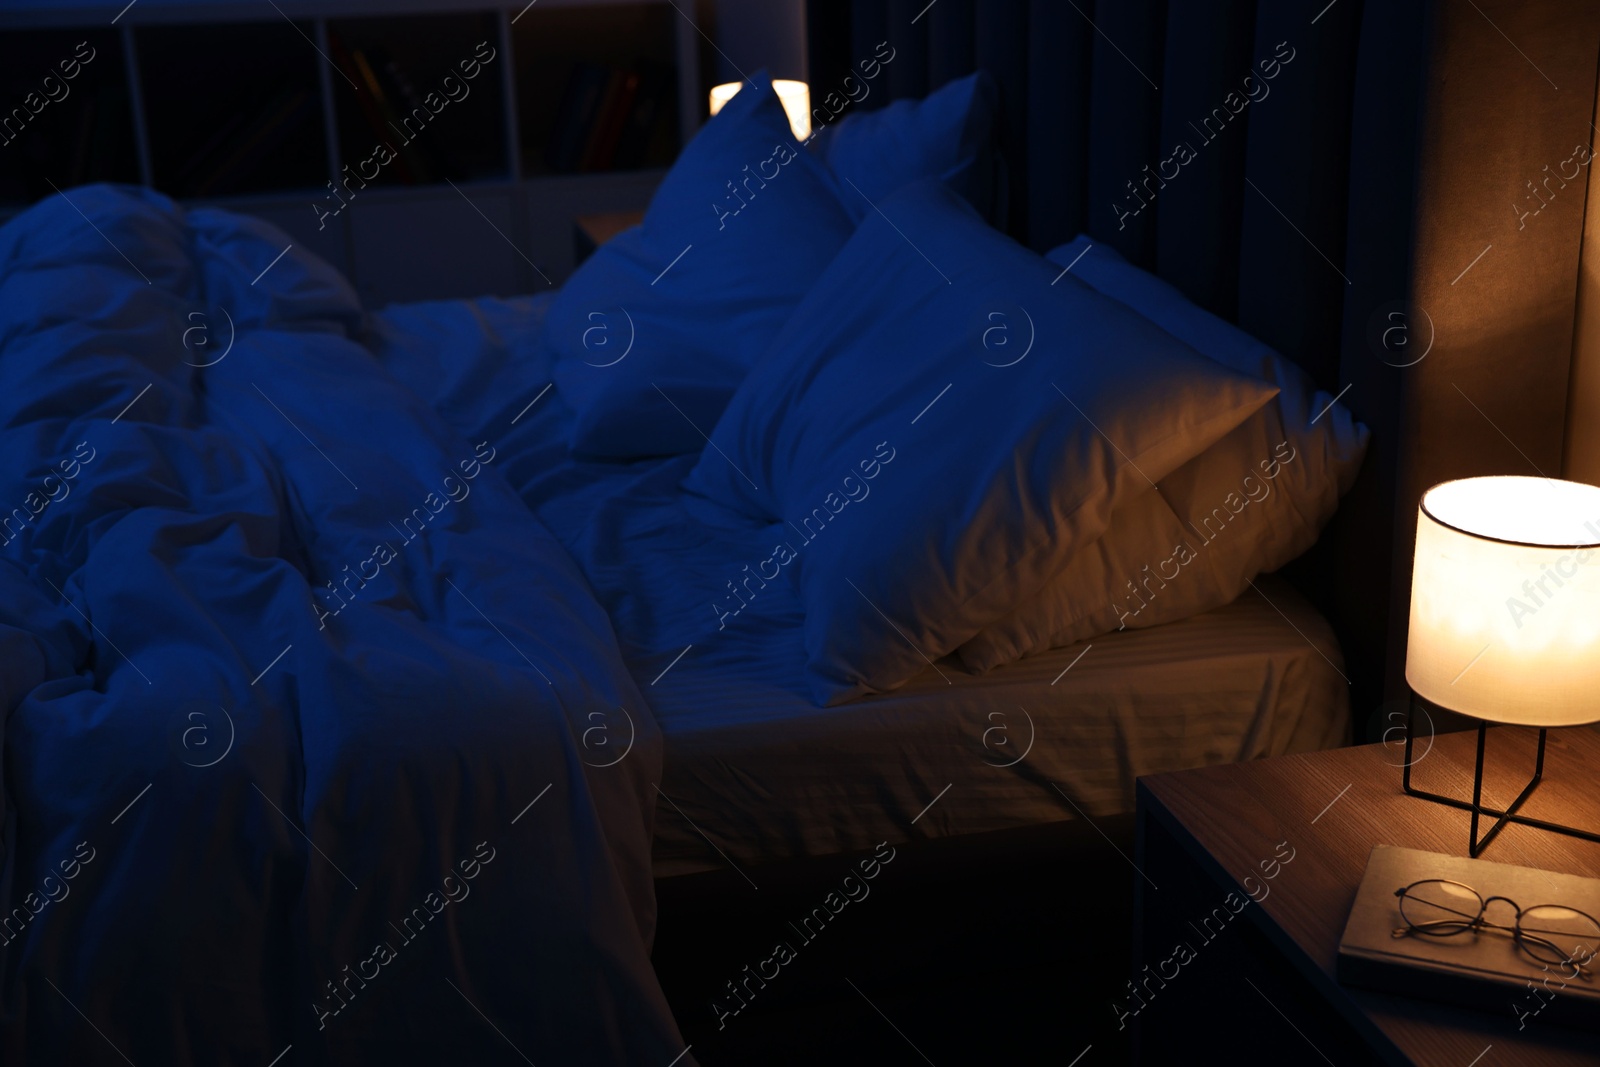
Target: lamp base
(1475,844)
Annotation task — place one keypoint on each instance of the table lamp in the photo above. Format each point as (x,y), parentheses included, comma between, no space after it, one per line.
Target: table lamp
(795,96)
(1505,618)
(768,35)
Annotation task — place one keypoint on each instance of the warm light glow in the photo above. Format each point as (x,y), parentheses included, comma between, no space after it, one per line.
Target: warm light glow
(1505,600)
(795,97)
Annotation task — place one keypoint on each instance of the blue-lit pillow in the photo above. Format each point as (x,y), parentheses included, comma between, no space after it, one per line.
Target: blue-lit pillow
(942,425)
(658,328)
(946,135)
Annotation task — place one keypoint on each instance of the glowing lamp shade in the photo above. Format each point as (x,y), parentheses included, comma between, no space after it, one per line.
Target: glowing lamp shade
(1505,600)
(794,96)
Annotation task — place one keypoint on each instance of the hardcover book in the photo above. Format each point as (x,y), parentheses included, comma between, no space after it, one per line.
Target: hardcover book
(607,132)
(1483,968)
(577,114)
(651,99)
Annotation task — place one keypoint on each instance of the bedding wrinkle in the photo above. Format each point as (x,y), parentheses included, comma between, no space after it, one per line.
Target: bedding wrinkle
(273,794)
(1259,740)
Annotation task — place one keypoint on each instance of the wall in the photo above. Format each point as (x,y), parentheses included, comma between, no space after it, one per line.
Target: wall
(1510,92)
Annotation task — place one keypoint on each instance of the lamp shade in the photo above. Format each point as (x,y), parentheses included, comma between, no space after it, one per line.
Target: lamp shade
(795,96)
(1505,600)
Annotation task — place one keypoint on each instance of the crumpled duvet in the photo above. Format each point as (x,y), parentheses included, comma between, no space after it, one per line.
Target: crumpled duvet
(316,744)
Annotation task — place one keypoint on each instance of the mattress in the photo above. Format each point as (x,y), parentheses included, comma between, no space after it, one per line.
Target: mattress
(753,774)
(754,771)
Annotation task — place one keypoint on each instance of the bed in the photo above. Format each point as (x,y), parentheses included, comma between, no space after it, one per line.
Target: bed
(145,700)
(332,695)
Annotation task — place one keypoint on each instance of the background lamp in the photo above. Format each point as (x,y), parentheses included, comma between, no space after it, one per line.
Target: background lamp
(794,95)
(1505,617)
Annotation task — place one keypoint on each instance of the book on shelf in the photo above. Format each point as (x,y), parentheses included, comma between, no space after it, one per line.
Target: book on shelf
(1484,969)
(430,162)
(609,120)
(371,103)
(413,169)
(651,102)
(575,115)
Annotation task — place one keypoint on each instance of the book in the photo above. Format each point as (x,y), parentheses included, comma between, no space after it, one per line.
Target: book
(575,115)
(407,166)
(607,101)
(652,98)
(367,102)
(1483,969)
(426,160)
(613,116)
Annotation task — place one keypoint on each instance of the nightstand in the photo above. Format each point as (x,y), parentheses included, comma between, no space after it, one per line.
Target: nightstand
(589,232)
(1247,875)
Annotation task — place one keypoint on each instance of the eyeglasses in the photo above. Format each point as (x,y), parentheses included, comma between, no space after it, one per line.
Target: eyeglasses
(1550,933)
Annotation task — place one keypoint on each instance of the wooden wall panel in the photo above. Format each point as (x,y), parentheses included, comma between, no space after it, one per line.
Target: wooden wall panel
(1510,92)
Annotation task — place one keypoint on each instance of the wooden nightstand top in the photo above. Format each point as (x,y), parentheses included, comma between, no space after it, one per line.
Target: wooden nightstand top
(603,226)
(1332,807)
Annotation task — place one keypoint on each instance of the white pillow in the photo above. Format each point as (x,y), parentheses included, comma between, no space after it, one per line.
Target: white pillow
(1247,505)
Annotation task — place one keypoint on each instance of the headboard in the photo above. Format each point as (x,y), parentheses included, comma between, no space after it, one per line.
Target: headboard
(1304,206)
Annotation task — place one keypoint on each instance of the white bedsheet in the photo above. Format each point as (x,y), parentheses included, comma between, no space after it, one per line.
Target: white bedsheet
(771,780)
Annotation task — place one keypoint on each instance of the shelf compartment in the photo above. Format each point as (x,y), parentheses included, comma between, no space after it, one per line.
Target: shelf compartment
(63,131)
(233,108)
(597,87)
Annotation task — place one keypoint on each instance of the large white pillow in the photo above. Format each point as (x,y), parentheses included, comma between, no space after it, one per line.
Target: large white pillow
(1249,504)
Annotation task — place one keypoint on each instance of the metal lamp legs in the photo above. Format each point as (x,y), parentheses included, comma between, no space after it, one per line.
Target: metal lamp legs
(1475,844)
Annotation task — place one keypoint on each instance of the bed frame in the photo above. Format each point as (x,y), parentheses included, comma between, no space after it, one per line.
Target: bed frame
(1333,209)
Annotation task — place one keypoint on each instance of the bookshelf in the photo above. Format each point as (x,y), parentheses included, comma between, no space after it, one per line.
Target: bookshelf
(503,122)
